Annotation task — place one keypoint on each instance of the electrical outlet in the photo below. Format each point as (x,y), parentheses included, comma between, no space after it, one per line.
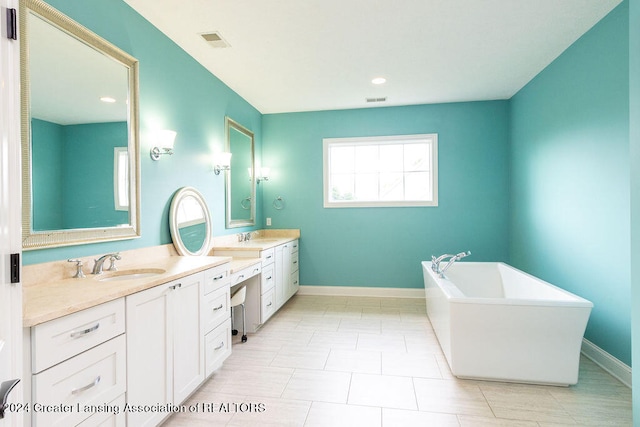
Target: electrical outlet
(268,222)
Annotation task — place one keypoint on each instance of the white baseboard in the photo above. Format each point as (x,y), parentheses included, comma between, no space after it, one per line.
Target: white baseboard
(352,291)
(607,362)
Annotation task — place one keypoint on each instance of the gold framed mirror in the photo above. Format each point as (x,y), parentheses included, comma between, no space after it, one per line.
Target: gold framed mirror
(79,119)
(240,178)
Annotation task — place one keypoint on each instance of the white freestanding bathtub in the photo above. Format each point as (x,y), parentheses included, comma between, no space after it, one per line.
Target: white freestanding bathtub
(495,322)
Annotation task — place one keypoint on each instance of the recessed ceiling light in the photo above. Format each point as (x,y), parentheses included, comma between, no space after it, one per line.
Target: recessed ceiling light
(378,80)
(108,99)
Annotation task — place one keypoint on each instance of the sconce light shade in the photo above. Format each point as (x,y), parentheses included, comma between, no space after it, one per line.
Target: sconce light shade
(221,162)
(263,175)
(164,140)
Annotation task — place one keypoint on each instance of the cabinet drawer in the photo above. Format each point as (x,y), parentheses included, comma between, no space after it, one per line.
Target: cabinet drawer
(268,305)
(294,261)
(216,308)
(295,282)
(59,339)
(267,256)
(267,281)
(216,277)
(217,346)
(92,378)
(245,273)
(108,418)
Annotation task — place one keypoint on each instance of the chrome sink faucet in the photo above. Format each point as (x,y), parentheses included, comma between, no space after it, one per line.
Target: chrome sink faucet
(97,267)
(453,258)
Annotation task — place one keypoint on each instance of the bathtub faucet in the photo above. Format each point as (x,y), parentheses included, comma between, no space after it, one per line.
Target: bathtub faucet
(435,262)
(453,259)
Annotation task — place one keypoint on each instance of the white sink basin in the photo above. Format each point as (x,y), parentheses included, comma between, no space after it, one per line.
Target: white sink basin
(132,274)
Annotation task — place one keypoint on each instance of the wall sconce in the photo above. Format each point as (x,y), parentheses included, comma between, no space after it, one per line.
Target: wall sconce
(221,162)
(262,175)
(164,143)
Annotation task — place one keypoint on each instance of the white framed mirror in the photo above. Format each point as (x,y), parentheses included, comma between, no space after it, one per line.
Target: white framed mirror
(240,178)
(79,119)
(190,223)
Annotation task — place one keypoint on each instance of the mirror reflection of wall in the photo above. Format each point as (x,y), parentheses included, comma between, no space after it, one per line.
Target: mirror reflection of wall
(240,175)
(73,175)
(240,179)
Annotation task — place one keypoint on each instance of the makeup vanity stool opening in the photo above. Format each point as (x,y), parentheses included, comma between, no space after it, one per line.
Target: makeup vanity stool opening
(237,299)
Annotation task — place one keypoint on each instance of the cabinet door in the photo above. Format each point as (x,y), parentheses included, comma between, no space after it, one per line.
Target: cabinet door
(149,352)
(188,336)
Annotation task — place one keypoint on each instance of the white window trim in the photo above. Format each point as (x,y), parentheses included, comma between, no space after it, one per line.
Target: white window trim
(327,142)
(120,179)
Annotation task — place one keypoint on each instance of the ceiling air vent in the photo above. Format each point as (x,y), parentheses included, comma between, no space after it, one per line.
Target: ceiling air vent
(381,99)
(215,39)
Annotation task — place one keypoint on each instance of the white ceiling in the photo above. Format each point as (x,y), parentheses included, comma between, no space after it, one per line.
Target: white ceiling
(306,55)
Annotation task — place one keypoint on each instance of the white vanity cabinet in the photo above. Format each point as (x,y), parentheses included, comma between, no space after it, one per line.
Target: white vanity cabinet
(170,349)
(286,272)
(78,363)
(278,281)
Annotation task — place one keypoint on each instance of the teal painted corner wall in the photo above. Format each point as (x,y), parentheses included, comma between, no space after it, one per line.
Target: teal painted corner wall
(570,211)
(383,247)
(176,93)
(634,142)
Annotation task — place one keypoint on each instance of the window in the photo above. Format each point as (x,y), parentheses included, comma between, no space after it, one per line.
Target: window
(381,171)
(121,178)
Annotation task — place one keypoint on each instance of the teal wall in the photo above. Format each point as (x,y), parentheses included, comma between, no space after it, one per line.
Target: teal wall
(634,142)
(570,212)
(383,247)
(176,93)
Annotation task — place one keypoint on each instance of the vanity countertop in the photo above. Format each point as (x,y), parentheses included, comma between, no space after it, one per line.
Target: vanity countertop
(49,299)
(265,239)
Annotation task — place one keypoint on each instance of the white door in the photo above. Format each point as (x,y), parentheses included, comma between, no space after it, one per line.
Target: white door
(10,221)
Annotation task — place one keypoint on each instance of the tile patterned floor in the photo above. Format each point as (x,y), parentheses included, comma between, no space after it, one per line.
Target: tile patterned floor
(353,361)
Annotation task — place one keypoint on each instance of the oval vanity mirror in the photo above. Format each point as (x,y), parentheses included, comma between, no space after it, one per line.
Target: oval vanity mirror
(190,223)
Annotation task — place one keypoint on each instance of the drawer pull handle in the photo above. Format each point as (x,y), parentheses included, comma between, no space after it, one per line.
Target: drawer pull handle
(174,287)
(220,346)
(87,387)
(295,262)
(269,257)
(270,277)
(76,334)
(219,277)
(240,277)
(256,270)
(269,305)
(218,308)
